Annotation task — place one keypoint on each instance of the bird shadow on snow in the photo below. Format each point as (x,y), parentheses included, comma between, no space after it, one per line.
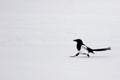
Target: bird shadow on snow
(93,57)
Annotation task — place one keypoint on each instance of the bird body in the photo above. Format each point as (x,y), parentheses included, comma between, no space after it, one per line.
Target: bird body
(80,44)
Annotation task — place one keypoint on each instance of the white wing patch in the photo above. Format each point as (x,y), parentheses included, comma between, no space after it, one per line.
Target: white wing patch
(83,50)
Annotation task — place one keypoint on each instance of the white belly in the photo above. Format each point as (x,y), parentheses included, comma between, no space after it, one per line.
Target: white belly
(83,50)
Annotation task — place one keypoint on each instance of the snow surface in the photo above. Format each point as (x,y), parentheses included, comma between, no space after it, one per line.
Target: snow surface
(36,39)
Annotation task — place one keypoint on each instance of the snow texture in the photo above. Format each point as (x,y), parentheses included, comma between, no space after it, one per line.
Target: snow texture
(36,39)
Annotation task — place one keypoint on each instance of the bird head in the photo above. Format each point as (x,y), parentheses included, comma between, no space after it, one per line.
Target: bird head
(78,41)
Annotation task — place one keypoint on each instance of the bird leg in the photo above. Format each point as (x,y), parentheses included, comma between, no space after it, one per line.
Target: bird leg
(88,55)
(75,55)
(81,54)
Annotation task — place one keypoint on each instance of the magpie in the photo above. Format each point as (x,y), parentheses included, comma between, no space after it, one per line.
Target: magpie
(80,44)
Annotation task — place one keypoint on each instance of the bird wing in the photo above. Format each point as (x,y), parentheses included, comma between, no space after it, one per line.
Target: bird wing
(88,48)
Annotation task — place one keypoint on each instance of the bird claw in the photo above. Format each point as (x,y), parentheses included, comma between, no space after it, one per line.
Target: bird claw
(72,56)
(88,55)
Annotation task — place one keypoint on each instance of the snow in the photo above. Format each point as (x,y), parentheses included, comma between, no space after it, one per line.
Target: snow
(36,39)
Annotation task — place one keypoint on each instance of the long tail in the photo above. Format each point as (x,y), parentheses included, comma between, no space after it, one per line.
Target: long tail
(102,49)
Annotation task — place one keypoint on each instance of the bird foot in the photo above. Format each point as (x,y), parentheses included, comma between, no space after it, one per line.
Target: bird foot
(88,55)
(72,56)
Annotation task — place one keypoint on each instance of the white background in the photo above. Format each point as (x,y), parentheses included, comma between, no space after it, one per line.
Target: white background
(36,39)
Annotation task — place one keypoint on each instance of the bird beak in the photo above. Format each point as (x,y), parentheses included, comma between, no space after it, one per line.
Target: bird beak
(74,40)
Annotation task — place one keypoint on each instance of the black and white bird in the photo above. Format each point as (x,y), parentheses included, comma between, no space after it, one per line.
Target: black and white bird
(80,45)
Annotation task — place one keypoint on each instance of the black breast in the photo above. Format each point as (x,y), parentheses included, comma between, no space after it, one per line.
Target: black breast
(79,47)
